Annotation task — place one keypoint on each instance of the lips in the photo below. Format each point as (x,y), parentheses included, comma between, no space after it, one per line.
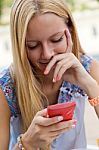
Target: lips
(44,62)
(43,65)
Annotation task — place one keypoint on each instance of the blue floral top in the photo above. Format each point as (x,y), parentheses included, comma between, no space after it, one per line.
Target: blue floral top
(74,138)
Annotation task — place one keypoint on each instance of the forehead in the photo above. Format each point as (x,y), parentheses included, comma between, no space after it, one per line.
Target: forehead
(46,24)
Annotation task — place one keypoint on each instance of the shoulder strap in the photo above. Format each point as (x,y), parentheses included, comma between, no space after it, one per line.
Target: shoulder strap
(86,62)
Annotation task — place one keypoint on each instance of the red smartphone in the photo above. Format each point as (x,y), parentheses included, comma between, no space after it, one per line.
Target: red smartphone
(62,109)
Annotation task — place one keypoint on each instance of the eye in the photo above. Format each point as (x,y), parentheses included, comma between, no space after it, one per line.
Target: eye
(57,40)
(31,47)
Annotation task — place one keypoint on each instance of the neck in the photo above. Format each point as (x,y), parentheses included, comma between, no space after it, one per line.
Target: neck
(50,87)
(46,81)
(51,91)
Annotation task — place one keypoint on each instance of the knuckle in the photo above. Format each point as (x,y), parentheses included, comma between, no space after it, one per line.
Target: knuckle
(69,127)
(38,113)
(58,132)
(62,131)
(42,138)
(38,129)
(46,140)
(53,119)
(55,58)
(45,124)
(49,141)
(69,124)
(59,63)
(64,66)
(72,55)
(57,126)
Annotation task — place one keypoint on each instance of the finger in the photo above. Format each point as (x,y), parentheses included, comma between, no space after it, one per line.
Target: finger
(53,62)
(58,67)
(61,125)
(47,121)
(42,113)
(63,69)
(57,133)
(69,41)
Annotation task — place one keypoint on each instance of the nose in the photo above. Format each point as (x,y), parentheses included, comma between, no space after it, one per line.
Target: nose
(47,51)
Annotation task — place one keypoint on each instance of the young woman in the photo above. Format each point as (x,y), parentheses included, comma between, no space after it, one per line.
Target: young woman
(49,67)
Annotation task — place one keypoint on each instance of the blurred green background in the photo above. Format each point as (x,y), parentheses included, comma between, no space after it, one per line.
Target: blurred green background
(75,5)
(4,4)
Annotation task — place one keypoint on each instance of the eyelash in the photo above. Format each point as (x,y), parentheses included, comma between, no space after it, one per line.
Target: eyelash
(59,40)
(32,47)
(54,41)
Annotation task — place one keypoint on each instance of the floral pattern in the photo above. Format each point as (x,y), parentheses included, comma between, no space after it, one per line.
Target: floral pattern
(7,85)
(67,92)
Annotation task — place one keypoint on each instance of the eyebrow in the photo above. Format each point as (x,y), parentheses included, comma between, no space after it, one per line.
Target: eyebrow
(50,36)
(57,33)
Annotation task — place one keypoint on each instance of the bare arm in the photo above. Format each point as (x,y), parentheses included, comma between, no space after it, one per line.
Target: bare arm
(41,132)
(4,122)
(94,88)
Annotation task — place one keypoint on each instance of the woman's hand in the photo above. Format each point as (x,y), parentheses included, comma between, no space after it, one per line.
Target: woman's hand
(43,130)
(68,67)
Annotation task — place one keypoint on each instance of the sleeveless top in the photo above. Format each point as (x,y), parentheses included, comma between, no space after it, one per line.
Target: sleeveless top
(72,139)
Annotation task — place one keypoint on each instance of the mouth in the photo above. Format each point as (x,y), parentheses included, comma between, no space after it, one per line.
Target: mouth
(43,62)
(43,65)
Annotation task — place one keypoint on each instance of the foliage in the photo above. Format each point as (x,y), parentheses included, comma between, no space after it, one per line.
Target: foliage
(1,7)
(83,7)
(71,2)
(4,9)
(7,3)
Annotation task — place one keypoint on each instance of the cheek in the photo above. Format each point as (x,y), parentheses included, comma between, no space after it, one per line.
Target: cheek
(33,56)
(63,47)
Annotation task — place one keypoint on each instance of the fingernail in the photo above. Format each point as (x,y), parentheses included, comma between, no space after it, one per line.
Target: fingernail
(46,72)
(47,116)
(74,122)
(54,80)
(60,118)
(73,125)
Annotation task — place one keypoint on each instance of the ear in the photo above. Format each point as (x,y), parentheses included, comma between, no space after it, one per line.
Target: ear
(69,40)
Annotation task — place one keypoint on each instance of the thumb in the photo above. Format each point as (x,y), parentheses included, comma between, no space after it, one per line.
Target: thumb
(42,113)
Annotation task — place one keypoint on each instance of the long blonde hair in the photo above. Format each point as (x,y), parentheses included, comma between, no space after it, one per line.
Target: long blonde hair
(29,95)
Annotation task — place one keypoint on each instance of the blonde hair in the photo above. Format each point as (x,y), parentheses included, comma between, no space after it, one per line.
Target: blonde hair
(29,95)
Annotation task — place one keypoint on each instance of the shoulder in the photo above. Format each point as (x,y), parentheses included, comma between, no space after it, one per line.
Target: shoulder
(5,117)
(5,79)
(8,88)
(86,62)
(91,65)
(4,75)
(3,104)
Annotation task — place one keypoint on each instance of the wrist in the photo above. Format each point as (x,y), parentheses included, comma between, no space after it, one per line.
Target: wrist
(26,143)
(92,89)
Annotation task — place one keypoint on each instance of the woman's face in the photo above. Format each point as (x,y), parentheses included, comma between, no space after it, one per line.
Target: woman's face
(45,38)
